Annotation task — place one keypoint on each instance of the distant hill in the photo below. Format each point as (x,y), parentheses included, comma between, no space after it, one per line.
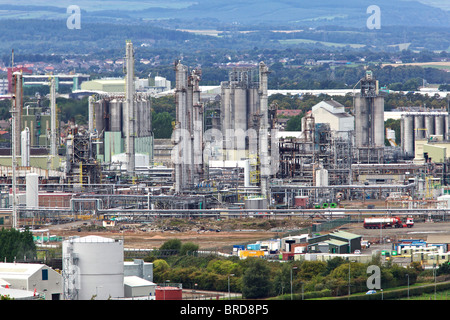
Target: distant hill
(350,13)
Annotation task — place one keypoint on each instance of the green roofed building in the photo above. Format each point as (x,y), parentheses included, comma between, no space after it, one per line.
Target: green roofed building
(105,85)
(335,242)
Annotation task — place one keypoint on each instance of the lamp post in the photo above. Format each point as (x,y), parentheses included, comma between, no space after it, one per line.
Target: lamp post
(408,284)
(293,268)
(230,275)
(165,288)
(349,279)
(434,271)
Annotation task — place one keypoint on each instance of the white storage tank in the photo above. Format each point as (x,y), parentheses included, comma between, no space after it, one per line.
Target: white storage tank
(322,177)
(93,266)
(32,190)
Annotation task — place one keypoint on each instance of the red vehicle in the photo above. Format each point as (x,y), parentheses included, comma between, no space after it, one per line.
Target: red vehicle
(387,222)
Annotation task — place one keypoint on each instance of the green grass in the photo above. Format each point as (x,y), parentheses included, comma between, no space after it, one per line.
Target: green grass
(325,43)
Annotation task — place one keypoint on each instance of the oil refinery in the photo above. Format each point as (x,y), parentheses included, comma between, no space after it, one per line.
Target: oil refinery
(228,155)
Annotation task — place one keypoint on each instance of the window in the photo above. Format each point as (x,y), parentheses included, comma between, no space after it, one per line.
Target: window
(44,274)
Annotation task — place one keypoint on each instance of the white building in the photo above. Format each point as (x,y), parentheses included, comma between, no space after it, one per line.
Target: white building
(333,112)
(93,267)
(33,277)
(138,288)
(139,268)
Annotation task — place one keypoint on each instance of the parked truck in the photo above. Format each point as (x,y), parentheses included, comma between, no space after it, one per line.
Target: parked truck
(387,222)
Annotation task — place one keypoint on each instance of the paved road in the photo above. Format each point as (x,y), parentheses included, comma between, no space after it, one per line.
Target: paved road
(420,231)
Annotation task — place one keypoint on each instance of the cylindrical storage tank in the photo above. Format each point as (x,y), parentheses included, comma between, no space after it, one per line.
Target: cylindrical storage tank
(446,131)
(378,122)
(362,123)
(253,105)
(99,115)
(141,121)
(240,108)
(256,203)
(439,125)
(168,293)
(32,190)
(225,107)
(419,127)
(408,135)
(429,125)
(115,118)
(96,265)
(321,177)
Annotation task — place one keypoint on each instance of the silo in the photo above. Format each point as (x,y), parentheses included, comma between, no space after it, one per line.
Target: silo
(378,122)
(32,190)
(429,125)
(362,123)
(255,203)
(253,105)
(322,177)
(408,135)
(115,109)
(446,130)
(240,108)
(439,125)
(99,114)
(419,126)
(93,266)
(225,106)
(141,120)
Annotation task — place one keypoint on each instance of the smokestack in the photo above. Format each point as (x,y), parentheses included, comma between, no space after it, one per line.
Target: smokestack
(130,117)
(91,114)
(263,130)
(16,115)
(53,150)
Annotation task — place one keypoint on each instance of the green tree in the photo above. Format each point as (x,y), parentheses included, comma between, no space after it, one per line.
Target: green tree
(188,248)
(256,282)
(162,125)
(172,245)
(16,244)
(294,124)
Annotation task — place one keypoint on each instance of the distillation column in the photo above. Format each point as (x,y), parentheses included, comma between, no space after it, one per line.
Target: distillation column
(130,114)
(263,131)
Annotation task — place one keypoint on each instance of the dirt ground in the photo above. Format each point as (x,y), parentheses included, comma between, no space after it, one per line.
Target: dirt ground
(206,233)
(222,234)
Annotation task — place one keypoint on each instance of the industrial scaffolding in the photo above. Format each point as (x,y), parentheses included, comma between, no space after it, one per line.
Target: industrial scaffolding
(318,147)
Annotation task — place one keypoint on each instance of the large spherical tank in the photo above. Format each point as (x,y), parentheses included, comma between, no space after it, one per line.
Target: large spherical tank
(99,264)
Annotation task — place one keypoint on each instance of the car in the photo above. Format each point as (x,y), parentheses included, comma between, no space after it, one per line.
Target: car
(357,252)
(371,292)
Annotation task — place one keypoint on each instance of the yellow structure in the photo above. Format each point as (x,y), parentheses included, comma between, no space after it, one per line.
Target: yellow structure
(243,254)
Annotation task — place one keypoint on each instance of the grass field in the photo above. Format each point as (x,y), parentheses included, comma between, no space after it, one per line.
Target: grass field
(437,64)
(325,43)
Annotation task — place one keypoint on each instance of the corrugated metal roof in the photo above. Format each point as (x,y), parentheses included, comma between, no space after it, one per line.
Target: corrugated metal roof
(345,235)
(336,242)
(134,281)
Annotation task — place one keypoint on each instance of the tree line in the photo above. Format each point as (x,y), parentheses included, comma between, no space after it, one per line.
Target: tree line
(258,278)
(15,244)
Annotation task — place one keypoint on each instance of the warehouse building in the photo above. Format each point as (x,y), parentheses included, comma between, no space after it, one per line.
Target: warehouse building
(33,277)
(335,242)
(138,288)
